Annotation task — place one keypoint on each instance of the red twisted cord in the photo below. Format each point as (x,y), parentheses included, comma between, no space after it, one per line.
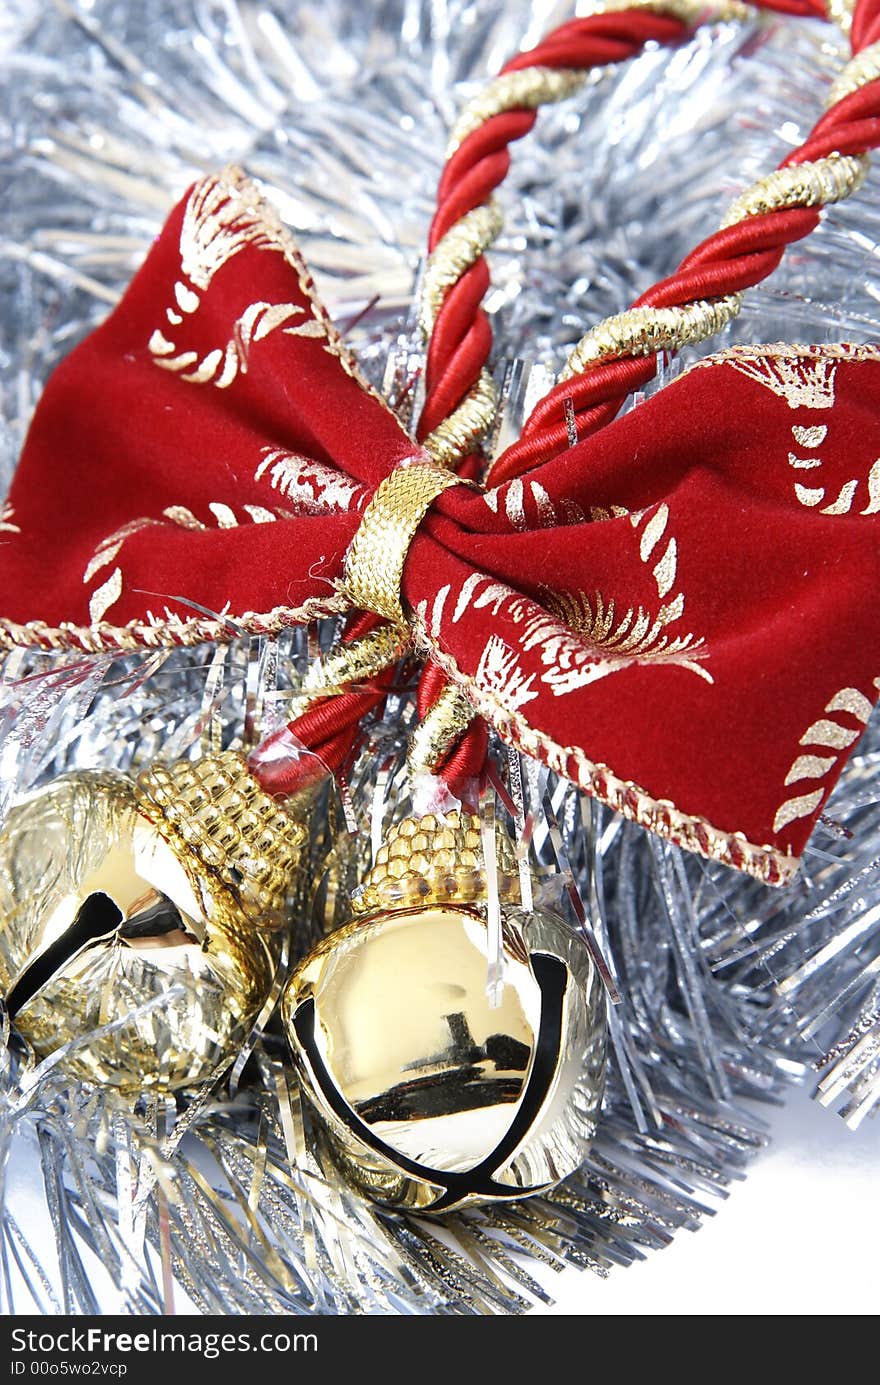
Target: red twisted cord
(329,729)
(728,262)
(461,339)
(462,336)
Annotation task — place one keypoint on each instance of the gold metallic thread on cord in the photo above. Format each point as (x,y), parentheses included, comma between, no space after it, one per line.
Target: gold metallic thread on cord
(644,331)
(344,667)
(453,256)
(859,71)
(462,245)
(438,730)
(377,554)
(840,12)
(800,185)
(526,89)
(461,431)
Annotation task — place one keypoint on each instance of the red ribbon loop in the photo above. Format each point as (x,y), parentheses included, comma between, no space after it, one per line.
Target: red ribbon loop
(677,613)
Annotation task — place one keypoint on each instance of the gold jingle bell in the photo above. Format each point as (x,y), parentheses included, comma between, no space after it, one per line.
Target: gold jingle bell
(115,893)
(433,1098)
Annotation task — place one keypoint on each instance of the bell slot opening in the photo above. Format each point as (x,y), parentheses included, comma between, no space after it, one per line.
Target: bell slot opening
(97,917)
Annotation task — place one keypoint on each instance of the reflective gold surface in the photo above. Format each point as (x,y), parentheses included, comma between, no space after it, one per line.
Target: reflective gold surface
(433,1098)
(109,916)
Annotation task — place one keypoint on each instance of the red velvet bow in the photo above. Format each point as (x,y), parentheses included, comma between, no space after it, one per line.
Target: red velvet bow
(677,613)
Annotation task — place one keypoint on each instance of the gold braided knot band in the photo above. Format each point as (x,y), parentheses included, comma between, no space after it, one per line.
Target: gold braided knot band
(377,554)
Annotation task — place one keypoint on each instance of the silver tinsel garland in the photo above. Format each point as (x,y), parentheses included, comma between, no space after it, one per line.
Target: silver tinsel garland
(729,991)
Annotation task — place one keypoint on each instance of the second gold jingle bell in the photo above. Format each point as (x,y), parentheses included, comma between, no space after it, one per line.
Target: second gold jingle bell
(433,1098)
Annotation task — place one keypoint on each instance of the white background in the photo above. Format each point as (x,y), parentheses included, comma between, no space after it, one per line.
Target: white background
(800,1235)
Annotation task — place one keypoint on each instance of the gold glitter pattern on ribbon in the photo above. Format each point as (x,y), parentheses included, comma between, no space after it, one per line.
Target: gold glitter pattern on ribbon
(827,733)
(800,185)
(644,331)
(527,89)
(852,701)
(764,862)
